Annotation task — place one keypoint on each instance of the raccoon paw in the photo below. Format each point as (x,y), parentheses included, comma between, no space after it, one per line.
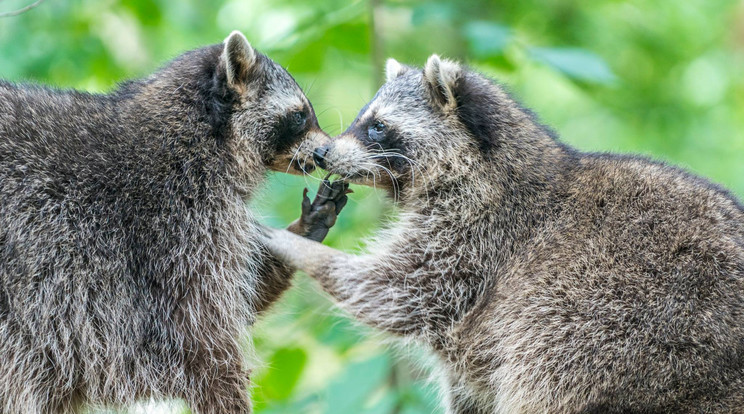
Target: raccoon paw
(319,216)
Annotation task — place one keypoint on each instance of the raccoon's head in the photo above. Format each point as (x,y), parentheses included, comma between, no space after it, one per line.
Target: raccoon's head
(426,128)
(271,118)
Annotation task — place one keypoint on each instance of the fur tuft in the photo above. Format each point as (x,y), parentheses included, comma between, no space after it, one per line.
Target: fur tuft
(441,76)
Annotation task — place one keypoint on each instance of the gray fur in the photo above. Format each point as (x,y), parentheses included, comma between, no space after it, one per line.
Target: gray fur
(129,267)
(547,280)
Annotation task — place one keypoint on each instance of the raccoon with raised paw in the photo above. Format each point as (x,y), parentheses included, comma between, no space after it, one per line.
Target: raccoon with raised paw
(547,280)
(129,263)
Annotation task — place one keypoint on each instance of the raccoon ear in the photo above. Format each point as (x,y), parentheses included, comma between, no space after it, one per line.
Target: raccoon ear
(393,69)
(239,57)
(441,76)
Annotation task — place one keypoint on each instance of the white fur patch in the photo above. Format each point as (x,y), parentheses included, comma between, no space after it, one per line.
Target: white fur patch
(284,100)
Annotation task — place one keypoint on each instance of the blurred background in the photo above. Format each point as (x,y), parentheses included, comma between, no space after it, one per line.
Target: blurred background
(657,77)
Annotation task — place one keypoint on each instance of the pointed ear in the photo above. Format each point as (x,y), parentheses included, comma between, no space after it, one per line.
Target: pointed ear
(441,76)
(239,57)
(393,69)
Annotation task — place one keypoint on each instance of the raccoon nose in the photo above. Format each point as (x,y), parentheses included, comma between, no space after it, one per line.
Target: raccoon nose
(319,156)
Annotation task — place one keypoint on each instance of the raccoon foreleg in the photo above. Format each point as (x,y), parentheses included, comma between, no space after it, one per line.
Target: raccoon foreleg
(358,283)
(303,254)
(316,220)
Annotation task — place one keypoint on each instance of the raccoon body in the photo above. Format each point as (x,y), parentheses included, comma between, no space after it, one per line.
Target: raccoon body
(129,266)
(547,280)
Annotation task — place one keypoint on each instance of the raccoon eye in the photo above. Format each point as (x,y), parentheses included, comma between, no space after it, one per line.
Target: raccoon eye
(376,131)
(298,119)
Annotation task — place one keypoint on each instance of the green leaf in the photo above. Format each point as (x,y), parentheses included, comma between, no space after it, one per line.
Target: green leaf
(487,39)
(433,12)
(284,371)
(303,405)
(349,392)
(337,331)
(148,12)
(579,64)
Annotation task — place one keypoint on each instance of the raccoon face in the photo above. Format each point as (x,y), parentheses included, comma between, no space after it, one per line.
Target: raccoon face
(272,120)
(410,132)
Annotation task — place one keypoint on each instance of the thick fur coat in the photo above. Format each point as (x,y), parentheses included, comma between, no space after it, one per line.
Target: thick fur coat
(547,280)
(129,266)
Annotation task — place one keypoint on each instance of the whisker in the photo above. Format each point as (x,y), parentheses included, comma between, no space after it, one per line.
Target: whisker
(369,172)
(394,182)
(387,154)
(291,160)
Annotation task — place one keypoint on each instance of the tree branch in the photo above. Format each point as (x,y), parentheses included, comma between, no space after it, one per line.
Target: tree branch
(21,10)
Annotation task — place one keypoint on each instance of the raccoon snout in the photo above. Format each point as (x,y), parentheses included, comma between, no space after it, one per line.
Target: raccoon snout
(319,156)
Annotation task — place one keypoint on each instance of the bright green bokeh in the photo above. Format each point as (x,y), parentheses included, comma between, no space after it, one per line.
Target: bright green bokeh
(656,77)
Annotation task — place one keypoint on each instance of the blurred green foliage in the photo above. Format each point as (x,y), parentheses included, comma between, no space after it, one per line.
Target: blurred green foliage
(650,76)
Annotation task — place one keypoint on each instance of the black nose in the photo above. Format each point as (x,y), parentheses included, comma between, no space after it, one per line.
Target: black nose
(319,156)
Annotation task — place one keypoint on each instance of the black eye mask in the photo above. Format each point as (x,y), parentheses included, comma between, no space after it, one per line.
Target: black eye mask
(291,128)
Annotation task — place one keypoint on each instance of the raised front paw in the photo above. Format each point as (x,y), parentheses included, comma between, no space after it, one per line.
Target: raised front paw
(319,216)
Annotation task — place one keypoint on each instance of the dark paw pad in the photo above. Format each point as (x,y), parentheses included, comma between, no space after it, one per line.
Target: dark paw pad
(319,216)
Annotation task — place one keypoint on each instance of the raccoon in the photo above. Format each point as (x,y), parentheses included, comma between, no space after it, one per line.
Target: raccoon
(129,264)
(545,279)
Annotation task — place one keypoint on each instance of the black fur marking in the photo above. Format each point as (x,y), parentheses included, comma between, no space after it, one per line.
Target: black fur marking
(478,111)
(219,100)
